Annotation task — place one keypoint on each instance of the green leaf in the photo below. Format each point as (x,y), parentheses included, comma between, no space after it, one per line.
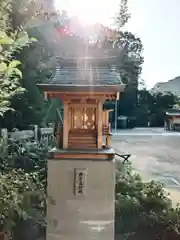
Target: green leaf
(2,34)
(14,64)
(18,72)
(14,71)
(3,67)
(4,103)
(23,40)
(22,34)
(20,90)
(34,40)
(6,40)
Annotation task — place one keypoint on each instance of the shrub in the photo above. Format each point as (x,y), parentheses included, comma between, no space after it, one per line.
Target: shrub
(22,186)
(144,210)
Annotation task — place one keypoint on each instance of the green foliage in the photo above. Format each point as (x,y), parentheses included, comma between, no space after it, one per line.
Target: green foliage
(16,194)
(129,68)
(131,64)
(23,183)
(20,96)
(143,209)
(38,62)
(152,107)
(24,12)
(123,14)
(11,42)
(30,105)
(5,9)
(10,74)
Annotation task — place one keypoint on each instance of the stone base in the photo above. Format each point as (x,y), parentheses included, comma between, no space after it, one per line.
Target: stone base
(80,208)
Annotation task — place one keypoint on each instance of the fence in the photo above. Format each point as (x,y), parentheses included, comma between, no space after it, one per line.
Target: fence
(44,135)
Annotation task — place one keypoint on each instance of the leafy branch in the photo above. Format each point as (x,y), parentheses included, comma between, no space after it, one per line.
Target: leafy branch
(10,73)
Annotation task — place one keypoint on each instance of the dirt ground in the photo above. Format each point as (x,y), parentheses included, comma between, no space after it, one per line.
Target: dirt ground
(154,154)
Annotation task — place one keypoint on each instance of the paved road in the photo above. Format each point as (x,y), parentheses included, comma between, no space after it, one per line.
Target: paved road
(154,153)
(145,132)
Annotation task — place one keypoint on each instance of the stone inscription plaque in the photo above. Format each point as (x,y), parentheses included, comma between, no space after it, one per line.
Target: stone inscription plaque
(80,178)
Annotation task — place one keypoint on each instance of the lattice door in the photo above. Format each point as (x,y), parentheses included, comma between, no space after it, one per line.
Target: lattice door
(84,118)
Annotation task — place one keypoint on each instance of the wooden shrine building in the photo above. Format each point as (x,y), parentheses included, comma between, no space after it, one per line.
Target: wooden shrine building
(84,81)
(81,170)
(172,120)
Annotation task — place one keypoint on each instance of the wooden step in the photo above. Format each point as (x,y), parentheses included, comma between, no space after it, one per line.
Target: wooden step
(82,136)
(88,144)
(83,143)
(82,139)
(75,143)
(80,146)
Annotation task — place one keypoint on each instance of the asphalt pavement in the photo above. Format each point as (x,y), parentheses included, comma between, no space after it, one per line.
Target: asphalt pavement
(155,154)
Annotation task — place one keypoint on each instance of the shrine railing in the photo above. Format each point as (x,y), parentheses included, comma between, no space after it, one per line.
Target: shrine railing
(106,130)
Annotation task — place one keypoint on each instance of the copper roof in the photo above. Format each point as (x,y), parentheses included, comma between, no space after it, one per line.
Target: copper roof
(85,76)
(81,64)
(176,114)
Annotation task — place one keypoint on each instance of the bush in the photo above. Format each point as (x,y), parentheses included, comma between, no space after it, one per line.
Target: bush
(144,210)
(22,191)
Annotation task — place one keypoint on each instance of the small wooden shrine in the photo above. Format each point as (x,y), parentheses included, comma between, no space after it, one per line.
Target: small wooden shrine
(172,120)
(84,80)
(81,171)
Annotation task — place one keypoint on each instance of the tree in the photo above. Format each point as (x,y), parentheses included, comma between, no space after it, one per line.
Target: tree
(151,107)
(142,111)
(130,70)
(16,185)
(130,65)
(159,104)
(28,105)
(134,102)
(123,14)
(11,42)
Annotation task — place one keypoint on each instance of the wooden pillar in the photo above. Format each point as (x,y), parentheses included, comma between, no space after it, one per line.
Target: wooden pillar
(104,118)
(99,124)
(108,141)
(107,121)
(59,135)
(66,125)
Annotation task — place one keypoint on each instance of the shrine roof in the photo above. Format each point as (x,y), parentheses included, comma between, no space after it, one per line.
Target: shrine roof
(88,76)
(82,77)
(82,65)
(175,113)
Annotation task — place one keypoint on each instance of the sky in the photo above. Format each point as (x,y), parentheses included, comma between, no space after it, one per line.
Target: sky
(156,22)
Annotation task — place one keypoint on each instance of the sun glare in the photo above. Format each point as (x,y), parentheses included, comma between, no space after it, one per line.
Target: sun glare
(88,12)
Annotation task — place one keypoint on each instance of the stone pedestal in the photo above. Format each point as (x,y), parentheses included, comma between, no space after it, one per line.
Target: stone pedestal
(81,195)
